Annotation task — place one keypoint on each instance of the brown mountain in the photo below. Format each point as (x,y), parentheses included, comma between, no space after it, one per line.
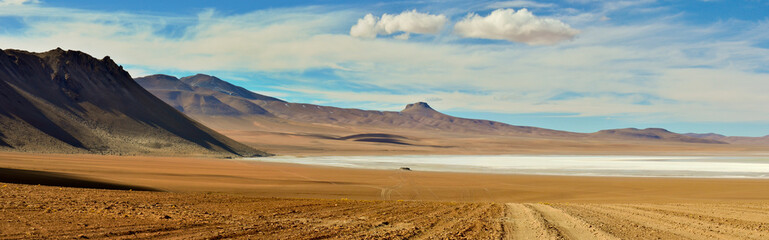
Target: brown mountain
(208,98)
(325,122)
(732,139)
(194,100)
(68,101)
(216,84)
(650,134)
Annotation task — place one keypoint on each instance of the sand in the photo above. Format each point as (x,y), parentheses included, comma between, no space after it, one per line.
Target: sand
(219,198)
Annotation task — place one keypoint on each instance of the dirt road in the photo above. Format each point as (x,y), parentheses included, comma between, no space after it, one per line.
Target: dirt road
(37,212)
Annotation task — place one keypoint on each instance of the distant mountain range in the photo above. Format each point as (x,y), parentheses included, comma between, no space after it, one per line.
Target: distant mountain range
(733,140)
(204,97)
(67,101)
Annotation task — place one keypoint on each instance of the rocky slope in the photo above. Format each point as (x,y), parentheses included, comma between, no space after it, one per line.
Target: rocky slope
(68,101)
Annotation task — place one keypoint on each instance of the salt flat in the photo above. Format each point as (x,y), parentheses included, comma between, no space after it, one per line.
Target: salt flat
(567,165)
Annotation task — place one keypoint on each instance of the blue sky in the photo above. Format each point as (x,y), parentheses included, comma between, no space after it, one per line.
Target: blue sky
(578,65)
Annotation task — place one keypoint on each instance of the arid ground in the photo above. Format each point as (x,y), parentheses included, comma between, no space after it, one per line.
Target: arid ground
(66,213)
(199,198)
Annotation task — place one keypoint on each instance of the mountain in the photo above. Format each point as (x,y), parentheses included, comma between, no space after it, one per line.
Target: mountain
(207,94)
(216,84)
(69,102)
(650,134)
(274,115)
(731,139)
(215,99)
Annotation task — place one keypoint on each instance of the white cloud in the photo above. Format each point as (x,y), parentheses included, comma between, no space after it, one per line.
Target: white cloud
(404,36)
(366,27)
(521,26)
(681,67)
(17,2)
(408,22)
(519,4)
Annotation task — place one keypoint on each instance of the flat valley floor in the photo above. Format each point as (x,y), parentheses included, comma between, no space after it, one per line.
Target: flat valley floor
(197,198)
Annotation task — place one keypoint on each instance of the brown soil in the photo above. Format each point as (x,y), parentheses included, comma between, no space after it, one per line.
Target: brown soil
(218,199)
(40,212)
(66,213)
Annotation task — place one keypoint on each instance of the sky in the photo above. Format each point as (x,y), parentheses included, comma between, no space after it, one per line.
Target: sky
(576,65)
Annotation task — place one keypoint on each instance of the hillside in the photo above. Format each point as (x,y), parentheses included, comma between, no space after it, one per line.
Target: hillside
(272,123)
(69,102)
(206,96)
(732,139)
(650,134)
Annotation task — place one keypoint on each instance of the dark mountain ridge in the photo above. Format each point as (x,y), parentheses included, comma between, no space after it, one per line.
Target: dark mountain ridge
(68,101)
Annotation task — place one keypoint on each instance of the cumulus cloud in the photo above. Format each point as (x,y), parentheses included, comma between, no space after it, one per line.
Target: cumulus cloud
(407,22)
(515,26)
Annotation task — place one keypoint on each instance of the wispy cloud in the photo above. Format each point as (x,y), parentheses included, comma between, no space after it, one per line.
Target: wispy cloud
(657,68)
(519,4)
(17,2)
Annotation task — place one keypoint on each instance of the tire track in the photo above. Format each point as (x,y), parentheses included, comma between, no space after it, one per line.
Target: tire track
(715,212)
(732,225)
(523,223)
(686,227)
(458,226)
(421,219)
(569,226)
(710,225)
(615,225)
(68,213)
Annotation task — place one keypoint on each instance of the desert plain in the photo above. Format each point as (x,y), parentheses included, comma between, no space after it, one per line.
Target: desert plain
(64,196)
